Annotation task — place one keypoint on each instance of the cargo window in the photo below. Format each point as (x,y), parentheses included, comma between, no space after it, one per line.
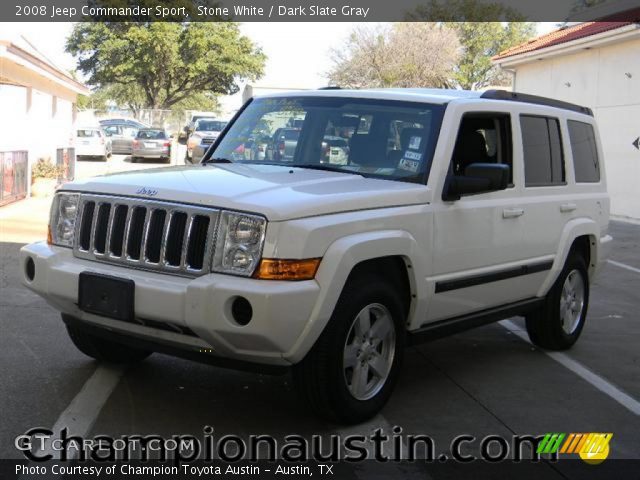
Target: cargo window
(542,148)
(585,152)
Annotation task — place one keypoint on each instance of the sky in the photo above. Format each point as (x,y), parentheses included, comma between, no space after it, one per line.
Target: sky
(298,53)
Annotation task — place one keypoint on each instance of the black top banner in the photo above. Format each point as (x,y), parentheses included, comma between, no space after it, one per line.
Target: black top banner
(317,11)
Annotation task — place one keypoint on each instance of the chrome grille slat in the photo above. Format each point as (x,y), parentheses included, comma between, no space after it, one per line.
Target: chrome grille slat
(181,243)
(165,237)
(107,242)
(145,233)
(96,209)
(127,228)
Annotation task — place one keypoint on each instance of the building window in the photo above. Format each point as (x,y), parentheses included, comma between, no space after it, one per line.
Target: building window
(542,148)
(585,152)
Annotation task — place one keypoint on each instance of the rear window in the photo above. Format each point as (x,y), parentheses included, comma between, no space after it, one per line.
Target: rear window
(585,152)
(152,134)
(290,134)
(542,148)
(210,126)
(88,133)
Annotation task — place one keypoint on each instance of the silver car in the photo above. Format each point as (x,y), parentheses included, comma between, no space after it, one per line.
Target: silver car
(151,143)
(206,132)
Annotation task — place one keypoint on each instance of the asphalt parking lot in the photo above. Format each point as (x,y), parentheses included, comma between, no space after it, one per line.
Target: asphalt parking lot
(489,381)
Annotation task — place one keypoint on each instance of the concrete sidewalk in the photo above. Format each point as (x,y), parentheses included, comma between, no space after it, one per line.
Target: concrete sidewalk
(25,221)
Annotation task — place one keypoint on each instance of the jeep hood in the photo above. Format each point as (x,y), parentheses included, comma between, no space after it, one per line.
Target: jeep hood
(278,192)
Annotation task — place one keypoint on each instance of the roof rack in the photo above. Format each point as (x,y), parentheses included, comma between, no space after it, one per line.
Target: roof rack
(331,87)
(526,98)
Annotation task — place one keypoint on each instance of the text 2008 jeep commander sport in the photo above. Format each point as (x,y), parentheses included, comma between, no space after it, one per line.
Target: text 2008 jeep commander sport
(397,216)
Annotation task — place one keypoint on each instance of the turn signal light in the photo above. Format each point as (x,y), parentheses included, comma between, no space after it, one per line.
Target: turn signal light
(49,235)
(278,269)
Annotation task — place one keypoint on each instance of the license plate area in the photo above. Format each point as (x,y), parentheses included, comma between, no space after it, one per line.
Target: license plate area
(106,296)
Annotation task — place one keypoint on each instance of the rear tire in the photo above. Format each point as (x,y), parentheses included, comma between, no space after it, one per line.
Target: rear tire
(351,371)
(105,350)
(557,324)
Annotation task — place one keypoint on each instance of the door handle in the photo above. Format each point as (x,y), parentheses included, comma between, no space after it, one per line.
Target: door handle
(512,212)
(568,207)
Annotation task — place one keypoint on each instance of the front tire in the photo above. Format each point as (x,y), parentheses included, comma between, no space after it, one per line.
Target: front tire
(557,324)
(105,350)
(350,372)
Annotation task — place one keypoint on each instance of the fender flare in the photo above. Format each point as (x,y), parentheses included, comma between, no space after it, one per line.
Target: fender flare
(575,228)
(338,262)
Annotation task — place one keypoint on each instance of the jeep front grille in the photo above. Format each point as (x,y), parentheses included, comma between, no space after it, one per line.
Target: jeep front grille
(147,234)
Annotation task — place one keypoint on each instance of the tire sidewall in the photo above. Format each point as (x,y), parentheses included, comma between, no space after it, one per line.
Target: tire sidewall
(346,311)
(574,262)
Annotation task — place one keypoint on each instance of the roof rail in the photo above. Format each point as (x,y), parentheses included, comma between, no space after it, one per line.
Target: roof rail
(331,87)
(535,99)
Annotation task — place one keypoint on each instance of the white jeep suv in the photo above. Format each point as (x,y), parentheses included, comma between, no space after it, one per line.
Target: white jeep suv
(452,209)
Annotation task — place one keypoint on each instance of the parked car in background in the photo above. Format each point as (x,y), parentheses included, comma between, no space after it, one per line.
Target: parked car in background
(283,144)
(151,143)
(122,131)
(205,132)
(335,150)
(256,147)
(190,127)
(92,142)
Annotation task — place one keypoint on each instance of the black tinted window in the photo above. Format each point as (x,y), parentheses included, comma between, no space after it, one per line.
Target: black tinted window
(585,153)
(542,146)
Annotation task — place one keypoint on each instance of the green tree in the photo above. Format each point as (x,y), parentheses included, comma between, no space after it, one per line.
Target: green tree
(162,64)
(484,30)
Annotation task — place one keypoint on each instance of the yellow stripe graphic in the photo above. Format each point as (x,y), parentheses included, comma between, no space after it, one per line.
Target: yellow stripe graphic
(586,439)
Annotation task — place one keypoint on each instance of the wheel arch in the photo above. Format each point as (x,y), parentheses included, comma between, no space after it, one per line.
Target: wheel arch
(579,235)
(393,253)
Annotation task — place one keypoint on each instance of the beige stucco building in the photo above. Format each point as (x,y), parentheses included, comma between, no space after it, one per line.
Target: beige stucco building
(37,104)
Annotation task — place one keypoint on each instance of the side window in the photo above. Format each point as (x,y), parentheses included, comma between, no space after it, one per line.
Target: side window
(483,138)
(542,146)
(585,152)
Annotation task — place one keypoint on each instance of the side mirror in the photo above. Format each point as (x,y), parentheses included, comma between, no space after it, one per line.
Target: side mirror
(478,178)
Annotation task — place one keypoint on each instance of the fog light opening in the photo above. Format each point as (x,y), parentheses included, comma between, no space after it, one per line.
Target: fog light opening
(30,269)
(241,310)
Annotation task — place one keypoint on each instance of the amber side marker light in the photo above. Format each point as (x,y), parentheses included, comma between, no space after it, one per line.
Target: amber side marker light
(49,235)
(281,269)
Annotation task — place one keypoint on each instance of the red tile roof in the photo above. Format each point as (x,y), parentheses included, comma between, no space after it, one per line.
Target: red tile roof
(562,35)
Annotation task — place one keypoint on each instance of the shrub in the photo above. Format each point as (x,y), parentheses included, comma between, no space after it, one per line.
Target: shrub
(45,169)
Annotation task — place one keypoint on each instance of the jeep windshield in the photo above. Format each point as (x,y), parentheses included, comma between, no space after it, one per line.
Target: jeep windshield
(369,137)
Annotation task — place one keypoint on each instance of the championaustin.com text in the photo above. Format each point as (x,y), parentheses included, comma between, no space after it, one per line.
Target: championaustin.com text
(37,444)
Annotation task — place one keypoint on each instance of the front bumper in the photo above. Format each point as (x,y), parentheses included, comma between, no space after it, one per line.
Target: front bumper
(198,152)
(90,151)
(281,310)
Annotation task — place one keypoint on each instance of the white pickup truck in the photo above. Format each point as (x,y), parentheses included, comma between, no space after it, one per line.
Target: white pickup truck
(452,210)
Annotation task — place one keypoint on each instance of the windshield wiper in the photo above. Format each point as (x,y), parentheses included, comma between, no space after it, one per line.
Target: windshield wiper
(323,166)
(219,160)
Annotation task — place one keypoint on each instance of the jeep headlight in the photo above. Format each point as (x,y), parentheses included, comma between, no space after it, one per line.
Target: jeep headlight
(238,243)
(62,222)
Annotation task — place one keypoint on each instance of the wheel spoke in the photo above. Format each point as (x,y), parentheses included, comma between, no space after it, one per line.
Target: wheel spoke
(363,322)
(379,365)
(350,355)
(381,328)
(360,379)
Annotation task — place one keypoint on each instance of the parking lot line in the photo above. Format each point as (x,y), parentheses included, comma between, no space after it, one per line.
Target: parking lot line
(84,409)
(597,381)
(623,265)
